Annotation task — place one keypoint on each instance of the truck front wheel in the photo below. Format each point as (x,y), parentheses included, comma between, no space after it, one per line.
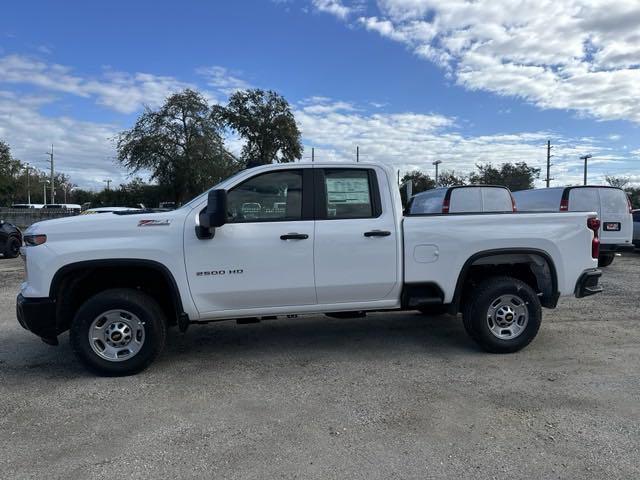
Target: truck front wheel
(118,332)
(502,314)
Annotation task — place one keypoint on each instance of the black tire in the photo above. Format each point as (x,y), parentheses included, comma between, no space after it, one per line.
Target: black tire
(12,247)
(143,306)
(606,259)
(478,303)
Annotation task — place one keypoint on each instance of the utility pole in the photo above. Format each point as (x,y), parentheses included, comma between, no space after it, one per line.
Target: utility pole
(53,188)
(108,182)
(549,147)
(28,184)
(313,154)
(44,191)
(357,153)
(436,163)
(585,158)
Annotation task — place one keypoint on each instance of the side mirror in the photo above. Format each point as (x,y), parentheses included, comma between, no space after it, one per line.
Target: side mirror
(215,215)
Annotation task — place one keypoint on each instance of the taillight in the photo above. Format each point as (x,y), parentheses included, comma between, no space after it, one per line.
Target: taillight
(594,226)
(629,203)
(34,240)
(445,206)
(564,205)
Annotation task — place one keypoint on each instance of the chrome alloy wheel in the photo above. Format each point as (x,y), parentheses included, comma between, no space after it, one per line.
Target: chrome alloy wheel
(507,317)
(116,335)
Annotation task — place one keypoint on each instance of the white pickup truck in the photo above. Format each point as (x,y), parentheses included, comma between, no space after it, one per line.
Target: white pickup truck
(292,239)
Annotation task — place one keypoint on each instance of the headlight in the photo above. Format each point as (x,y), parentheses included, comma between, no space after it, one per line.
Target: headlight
(34,240)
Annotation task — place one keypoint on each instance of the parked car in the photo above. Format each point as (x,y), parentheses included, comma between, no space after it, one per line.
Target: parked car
(610,203)
(135,275)
(462,199)
(636,228)
(10,239)
(63,206)
(27,205)
(91,211)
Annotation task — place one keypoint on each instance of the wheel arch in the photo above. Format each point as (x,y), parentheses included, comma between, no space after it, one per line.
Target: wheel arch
(69,276)
(547,282)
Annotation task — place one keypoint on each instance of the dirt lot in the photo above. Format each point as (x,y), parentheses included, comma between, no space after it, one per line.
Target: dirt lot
(390,396)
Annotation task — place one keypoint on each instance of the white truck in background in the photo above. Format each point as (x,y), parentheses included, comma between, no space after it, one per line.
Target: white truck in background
(318,238)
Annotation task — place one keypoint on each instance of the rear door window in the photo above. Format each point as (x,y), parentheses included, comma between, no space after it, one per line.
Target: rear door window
(464,200)
(584,200)
(496,200)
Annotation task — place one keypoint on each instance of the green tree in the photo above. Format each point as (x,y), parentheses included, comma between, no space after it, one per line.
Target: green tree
(515,176)
(420,181)
(449,178)
(266,123)
(180,144)
(10,170)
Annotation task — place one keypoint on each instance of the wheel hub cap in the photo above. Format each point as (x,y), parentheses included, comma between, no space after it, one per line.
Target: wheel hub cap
(116,335)
(507,316)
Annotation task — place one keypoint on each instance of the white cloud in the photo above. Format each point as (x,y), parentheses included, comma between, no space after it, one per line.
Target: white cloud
(221,79)
(333,7)
(83,150)
(581,55)
(410,140)
(120,91)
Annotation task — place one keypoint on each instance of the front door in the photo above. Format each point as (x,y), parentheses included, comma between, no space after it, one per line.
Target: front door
(263,256)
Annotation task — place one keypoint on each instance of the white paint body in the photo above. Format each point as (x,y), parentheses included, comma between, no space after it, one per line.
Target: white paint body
(336,269)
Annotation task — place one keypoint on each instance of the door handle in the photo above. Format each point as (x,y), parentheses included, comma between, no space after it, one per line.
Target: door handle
(377,233)
(294,236)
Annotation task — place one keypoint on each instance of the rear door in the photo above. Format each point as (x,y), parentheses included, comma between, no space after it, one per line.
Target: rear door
(616,221)
(356,238)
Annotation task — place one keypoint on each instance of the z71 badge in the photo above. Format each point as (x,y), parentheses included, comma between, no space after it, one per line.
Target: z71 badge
(210,273)
(154,223)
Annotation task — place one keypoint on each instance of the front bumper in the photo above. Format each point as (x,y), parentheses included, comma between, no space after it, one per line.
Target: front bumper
(587,284)
(38,315)
(616,247)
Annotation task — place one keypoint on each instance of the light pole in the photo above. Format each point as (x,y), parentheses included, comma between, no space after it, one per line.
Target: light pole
(436,163)
(585,158)
(53,190)
(28,184)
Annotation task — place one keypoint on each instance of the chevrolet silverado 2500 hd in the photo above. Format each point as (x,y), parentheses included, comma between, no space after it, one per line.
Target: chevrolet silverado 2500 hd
(295,239)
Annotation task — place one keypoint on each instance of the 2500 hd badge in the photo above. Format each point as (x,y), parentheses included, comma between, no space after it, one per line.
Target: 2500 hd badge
(237,271)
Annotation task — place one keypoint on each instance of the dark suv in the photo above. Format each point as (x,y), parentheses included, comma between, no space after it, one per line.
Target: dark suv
(10,239)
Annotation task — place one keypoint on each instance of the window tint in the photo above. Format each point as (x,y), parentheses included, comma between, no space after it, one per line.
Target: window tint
(273,196)
(584,200)
(428,202)
(496,200)
(465,200)
(613,201)
(636,216)
(348,193)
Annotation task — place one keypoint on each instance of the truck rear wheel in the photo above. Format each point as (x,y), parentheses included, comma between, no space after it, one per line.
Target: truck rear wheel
(118,332)
(502,314)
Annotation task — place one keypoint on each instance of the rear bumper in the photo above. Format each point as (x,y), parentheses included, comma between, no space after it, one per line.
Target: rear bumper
(616,247)
(587,284)
(38,315)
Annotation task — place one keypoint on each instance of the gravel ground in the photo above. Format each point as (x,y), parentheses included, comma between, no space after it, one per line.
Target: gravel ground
(394,395)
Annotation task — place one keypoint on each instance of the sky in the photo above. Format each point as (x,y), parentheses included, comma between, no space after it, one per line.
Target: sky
(407,81)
